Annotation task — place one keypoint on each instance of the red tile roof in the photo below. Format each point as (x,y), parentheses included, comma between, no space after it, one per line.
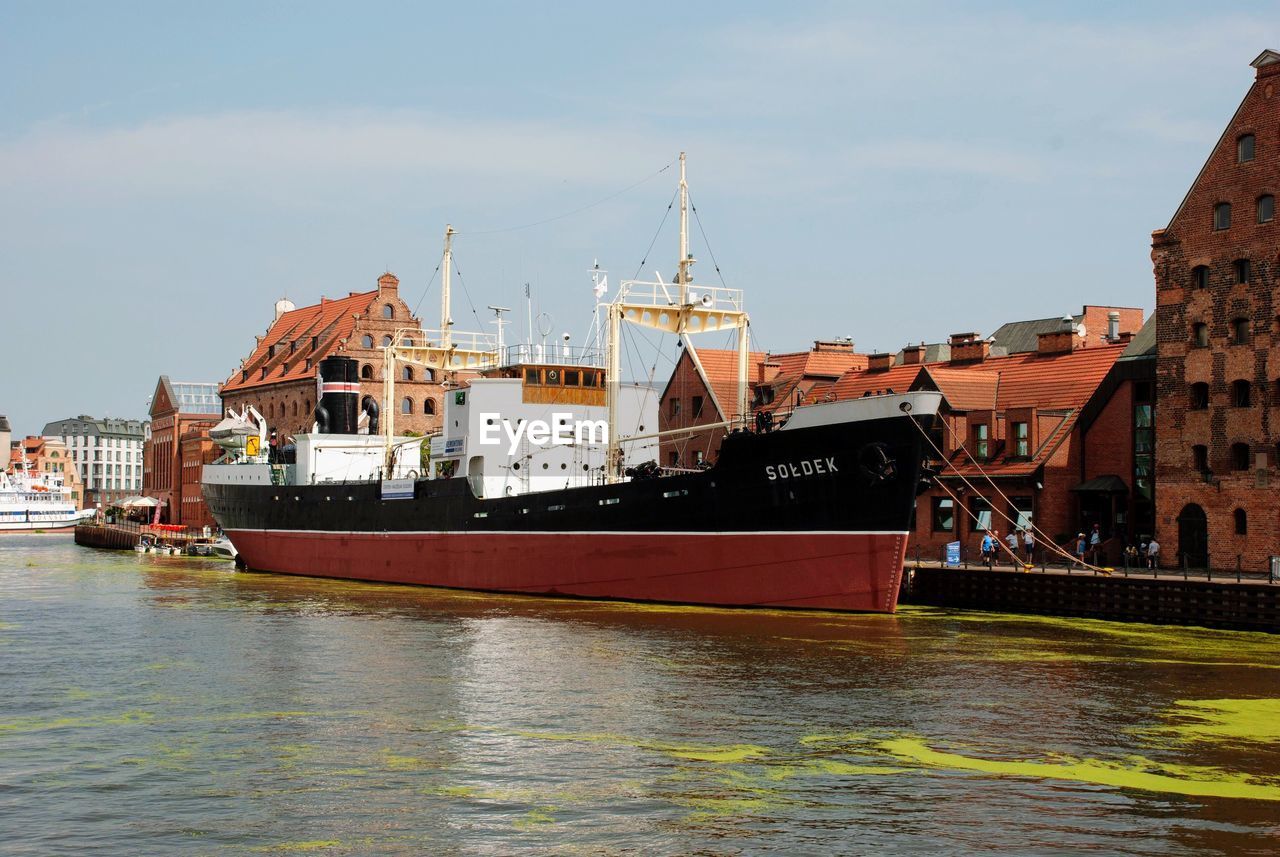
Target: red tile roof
(721,368)
(329,321)
(1056,385)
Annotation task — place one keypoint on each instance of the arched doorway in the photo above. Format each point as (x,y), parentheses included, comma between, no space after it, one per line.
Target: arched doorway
(1193,536)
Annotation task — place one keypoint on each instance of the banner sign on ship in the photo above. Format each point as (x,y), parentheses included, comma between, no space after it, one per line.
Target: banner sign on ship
(397,489)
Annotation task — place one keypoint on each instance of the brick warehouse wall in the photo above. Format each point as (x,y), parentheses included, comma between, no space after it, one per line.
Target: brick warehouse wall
(1189,241)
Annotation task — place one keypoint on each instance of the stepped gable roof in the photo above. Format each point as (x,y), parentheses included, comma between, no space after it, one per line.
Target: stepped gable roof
(721,368)
(329,321)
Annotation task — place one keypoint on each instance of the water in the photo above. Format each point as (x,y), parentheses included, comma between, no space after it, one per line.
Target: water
(156,705)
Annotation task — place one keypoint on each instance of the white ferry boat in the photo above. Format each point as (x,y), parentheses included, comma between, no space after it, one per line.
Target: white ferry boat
(36,501)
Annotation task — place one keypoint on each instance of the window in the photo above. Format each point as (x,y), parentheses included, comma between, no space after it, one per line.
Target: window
(1200,458)
(673,408)
(406,405)
(295,407)
(697,406)
(673,459)
(367,341)
(1240,394)
(388,311)
(1244,148)
(406,374)
(1240,270)
(429,407)
(944,515)
(1266,208)
(407,342)
(1021,440)
(1199,396)
(1239,456)
(1020,511)
(1240,334)
(1200,335)
(366,372)
(386,342)
(430,375)
(981,510)
(1200,277)
(981,443)
(1222,216)
(1242,522)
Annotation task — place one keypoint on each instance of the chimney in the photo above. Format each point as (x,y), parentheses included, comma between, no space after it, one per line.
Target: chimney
(767,370)
(969,348)
(913,355)
(1113,326)
(1060,341)
(879,362)
(388,282)
(842,344)
(1267,63)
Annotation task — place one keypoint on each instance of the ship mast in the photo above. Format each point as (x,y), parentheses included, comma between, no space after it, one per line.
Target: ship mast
(434,350)
(446,268)
(706,310)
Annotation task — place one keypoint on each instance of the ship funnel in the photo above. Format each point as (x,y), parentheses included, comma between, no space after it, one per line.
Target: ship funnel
(339,395)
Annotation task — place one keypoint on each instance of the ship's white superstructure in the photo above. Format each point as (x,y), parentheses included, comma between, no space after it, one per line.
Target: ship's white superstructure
(32,501)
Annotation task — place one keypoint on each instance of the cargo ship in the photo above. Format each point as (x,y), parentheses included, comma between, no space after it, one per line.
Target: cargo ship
(543,479)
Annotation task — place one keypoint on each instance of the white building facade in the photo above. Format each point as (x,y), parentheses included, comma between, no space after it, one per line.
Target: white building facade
(107,454)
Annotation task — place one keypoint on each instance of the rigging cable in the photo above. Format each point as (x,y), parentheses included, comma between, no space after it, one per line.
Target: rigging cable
(665,215)
(425,291)
(710,252)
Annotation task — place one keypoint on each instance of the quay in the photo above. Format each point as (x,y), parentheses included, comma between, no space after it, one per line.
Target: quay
(1216,599)
(125,534)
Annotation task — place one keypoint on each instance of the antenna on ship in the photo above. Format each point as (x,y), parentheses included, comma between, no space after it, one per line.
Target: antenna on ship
(500,322)
(682,277)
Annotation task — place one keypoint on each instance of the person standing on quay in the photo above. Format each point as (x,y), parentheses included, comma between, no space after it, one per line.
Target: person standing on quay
(1012,539)
(1082,545)
(989,549)
(1095,543)
(1153,553)
(1029,542)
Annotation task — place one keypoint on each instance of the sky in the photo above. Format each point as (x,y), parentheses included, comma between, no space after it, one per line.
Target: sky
(887,172)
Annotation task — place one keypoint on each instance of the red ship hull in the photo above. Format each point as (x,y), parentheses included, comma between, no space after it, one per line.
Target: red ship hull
(855,571)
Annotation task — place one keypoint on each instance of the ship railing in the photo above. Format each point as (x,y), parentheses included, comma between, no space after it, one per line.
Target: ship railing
(663,295)
(417,337)
(561,355)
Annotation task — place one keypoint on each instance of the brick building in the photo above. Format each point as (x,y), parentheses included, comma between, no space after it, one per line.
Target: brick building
(701,395)
(1218,329)
(1053,430)
(181,415)
(279,375)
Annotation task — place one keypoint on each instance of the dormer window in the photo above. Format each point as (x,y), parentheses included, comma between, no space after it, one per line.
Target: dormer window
(1222,216)
(1021,440)
(1244,148)
(981,441)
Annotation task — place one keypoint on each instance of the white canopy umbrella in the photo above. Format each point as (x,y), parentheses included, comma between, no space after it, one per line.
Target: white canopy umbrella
(138,503)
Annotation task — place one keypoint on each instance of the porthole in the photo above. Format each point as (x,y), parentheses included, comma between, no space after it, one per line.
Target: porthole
(515,466)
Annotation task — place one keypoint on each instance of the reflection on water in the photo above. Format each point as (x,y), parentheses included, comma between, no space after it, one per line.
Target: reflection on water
(165,705)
